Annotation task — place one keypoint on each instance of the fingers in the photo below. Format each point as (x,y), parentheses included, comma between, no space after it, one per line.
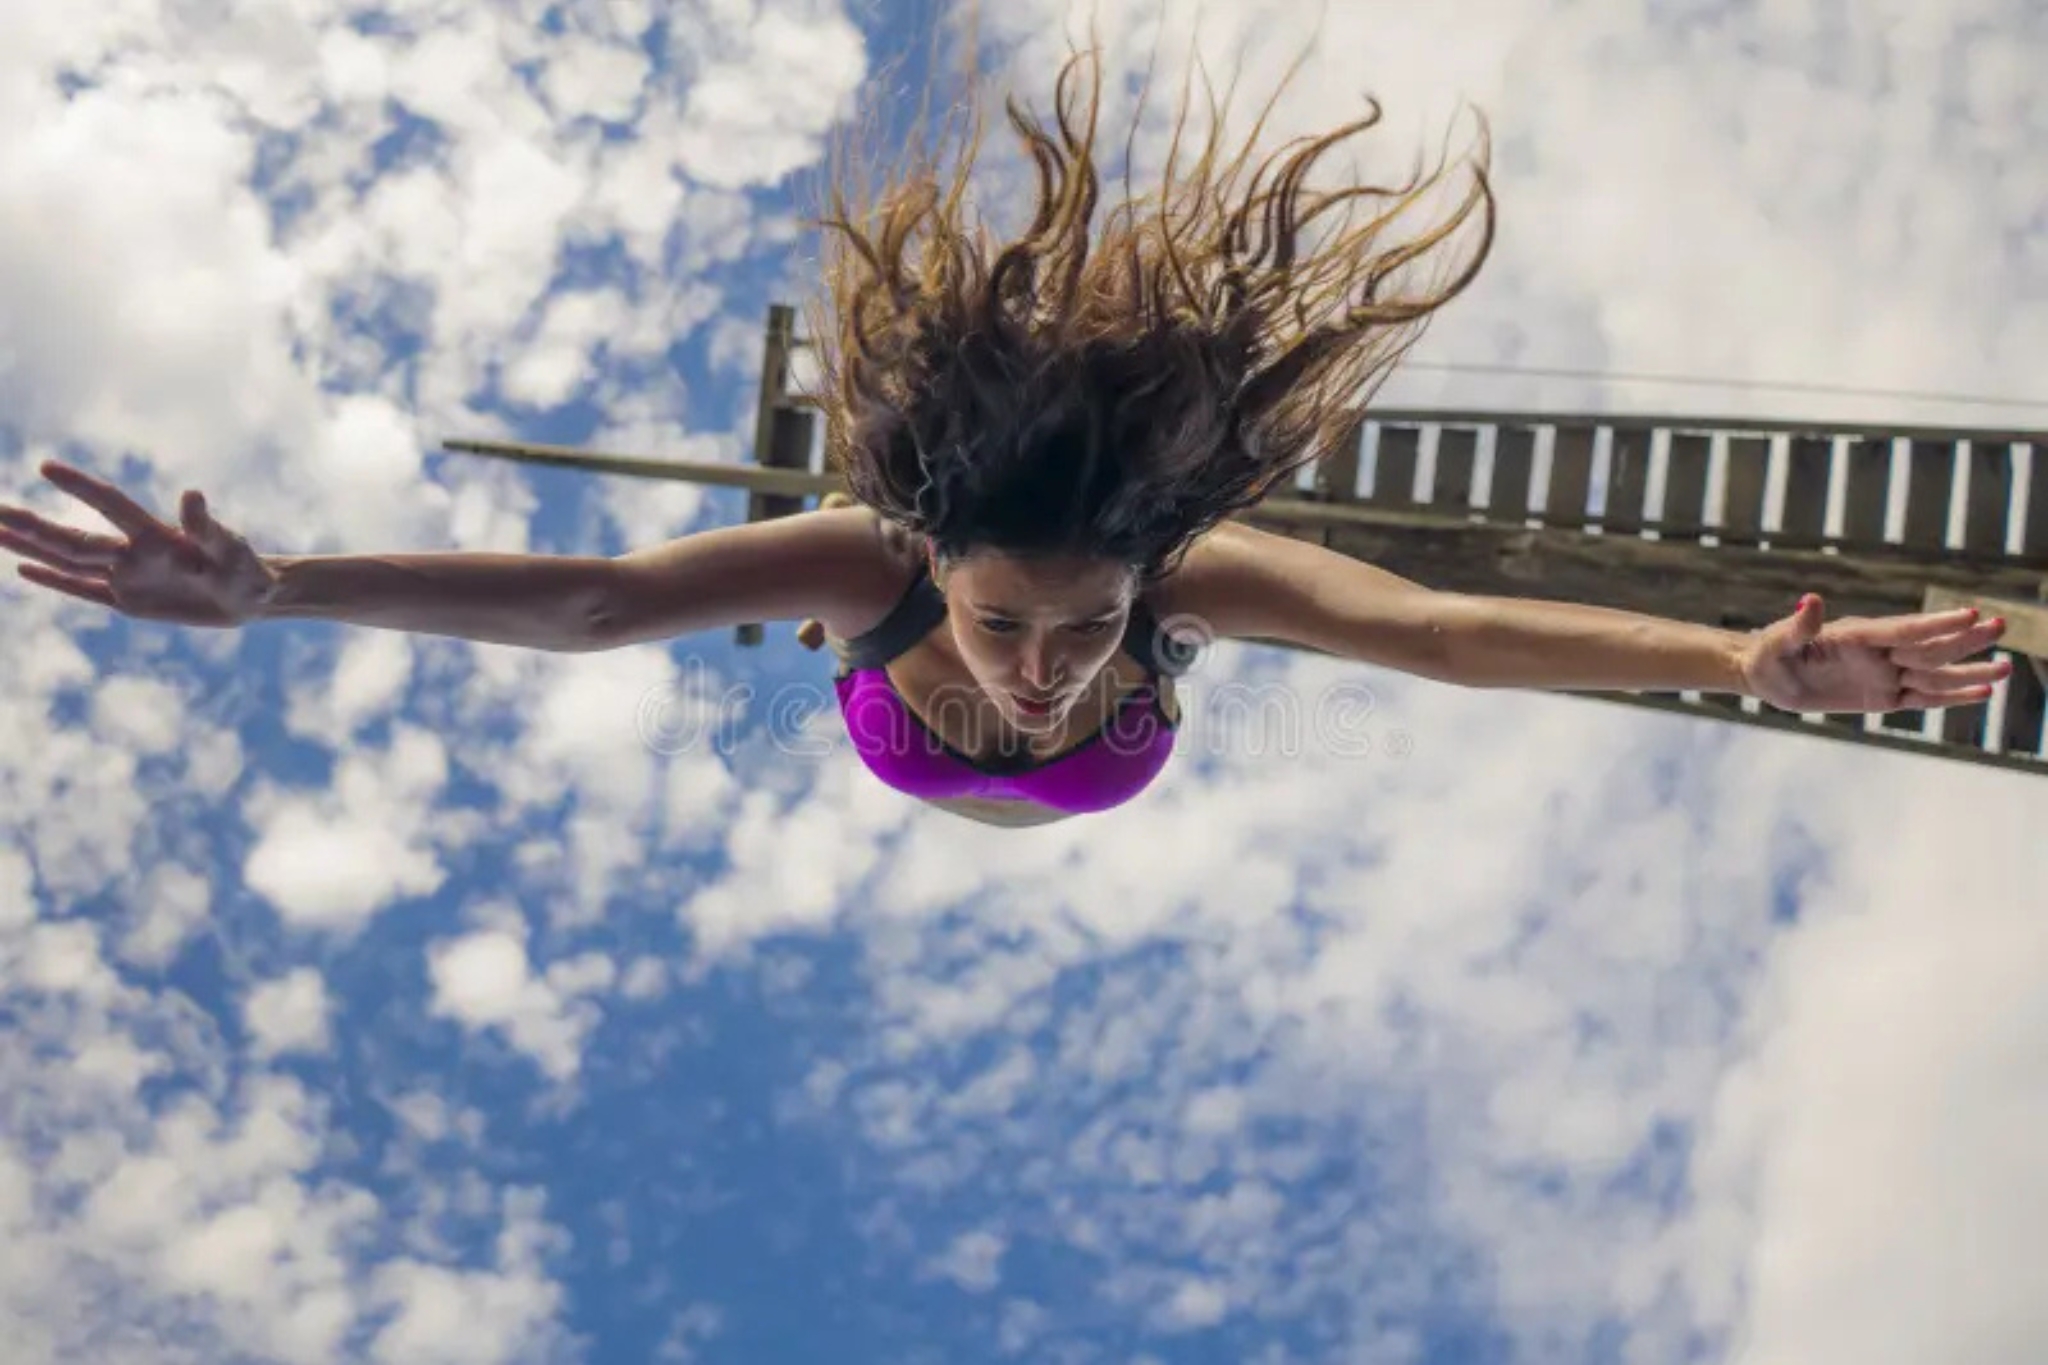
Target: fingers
(1947,649)
(1915,699)
(62,547)
(72,585)
(1956,675)
(1809,617)
(1893,632)
(109,501)
(199,523)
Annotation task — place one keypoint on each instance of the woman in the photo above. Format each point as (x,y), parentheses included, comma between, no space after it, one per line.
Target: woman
(1045,442)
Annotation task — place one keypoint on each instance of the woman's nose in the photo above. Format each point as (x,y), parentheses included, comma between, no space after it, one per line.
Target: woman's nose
(1040,668)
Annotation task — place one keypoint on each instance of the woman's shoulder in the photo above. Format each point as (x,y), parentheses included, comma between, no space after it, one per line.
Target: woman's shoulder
(888,559)
(1189,588)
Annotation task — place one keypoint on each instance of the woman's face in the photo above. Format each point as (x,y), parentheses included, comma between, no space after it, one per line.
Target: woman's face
(1034,632)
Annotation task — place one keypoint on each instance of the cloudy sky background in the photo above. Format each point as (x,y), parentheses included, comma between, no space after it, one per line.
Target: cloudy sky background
(399,1000)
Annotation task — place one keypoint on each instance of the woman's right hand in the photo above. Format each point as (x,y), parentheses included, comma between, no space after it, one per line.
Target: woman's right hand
(196,574)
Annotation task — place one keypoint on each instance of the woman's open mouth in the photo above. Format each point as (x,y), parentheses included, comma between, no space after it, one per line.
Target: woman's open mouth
(1030,706)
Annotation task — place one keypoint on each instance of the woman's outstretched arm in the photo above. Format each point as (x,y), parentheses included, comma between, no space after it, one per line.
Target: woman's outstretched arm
(1250,583)
(550,602)
(200,573)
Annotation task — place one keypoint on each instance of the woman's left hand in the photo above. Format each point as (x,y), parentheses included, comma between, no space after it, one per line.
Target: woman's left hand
(1896,663)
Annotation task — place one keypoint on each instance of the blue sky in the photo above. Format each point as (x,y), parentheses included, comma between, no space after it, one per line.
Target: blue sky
(401,1000)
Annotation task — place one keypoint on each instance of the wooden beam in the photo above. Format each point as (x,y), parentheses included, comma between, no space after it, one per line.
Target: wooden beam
(773,441)
(1714,584)
(752,477)
(1695,422)
(2026,623)
(1718,585)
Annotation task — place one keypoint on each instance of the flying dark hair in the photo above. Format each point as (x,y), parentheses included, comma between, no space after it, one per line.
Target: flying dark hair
(1116,392)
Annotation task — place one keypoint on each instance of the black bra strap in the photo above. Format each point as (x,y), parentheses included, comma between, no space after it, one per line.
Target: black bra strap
(1162,654)
(914,616)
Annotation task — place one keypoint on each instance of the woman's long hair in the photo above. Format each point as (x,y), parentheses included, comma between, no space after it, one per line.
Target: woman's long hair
(1114,391)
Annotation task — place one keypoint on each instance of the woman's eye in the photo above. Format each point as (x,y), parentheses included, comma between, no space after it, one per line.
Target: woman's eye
(1092,627)
(997,627)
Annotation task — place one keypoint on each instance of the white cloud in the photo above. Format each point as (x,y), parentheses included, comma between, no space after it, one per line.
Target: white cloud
(292,1013)
(432,1118)
(1196,1303)
(973,1260)
(333,859)
(141,713)
(491,507)
(485,980)
(790,867)
(745,121)
(690,1328)
(645,979)
(195,1225)
(213,759)
(591,79)
(371,671)
(1866,1172)
(595,729)
(646,513)
(204,267)
(64,959)
(70,798)
(556,362)
(17,891)
(443,1315)
(171,905)
(136,330)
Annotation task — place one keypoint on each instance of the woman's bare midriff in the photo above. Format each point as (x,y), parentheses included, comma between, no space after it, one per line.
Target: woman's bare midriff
(1008,814)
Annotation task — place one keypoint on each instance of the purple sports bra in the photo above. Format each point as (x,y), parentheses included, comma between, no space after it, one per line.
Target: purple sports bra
(1102,771)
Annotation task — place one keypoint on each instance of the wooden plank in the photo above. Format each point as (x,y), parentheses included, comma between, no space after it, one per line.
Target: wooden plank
(1928,473)
(715,473)
(1869,476)
(1965,725)
(2026,711)
(789,448)
(773,433)
(1744,486)
(1927,494)
(1674,578)
(1336,476)
(1808,462)
(1393,475)
(1628,479)
(1698,421)
(2026,623)
(2034,524)
(1688,472)
(1571,478)
(1457,455)
(1988,498)
(1514,460)
(1686,466)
